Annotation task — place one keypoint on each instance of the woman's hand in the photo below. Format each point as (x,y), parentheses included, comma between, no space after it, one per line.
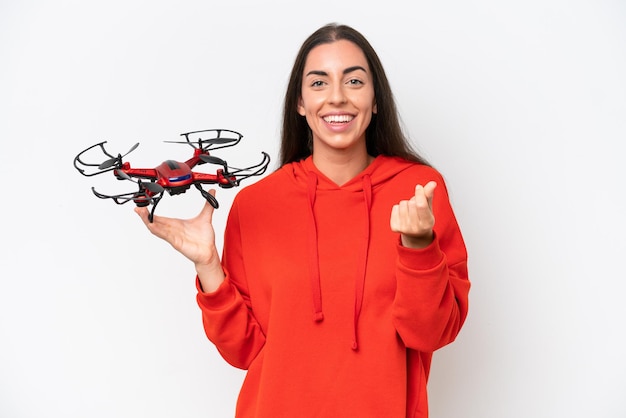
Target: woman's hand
(414,218)
(194,238)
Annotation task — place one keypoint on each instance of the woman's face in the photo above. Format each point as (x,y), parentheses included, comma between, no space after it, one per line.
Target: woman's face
(337,97)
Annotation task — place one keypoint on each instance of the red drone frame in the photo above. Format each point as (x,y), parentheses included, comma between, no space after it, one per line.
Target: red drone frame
(175,177)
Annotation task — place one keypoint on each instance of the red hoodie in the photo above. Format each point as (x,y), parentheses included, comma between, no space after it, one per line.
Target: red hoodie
(328,313)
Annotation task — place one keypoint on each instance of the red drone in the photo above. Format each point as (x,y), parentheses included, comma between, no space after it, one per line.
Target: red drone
(175,177)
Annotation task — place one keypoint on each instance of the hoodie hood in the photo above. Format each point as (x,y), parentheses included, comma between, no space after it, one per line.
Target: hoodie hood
(306,175)
(381,170)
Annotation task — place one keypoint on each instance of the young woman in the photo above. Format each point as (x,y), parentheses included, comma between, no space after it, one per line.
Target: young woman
(334,293)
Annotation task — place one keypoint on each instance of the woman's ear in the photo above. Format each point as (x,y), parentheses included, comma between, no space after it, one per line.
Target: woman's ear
(301,107)
(375,108)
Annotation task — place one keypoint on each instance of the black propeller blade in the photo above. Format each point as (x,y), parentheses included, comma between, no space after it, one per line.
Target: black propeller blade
(212,160)
(112,161)
(216,141)
(151,186)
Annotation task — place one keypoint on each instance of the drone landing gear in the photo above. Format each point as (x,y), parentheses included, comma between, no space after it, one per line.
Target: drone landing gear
(155,202)
(208,196)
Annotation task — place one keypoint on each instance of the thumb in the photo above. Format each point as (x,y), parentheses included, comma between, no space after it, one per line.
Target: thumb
(209,206)
(429,192)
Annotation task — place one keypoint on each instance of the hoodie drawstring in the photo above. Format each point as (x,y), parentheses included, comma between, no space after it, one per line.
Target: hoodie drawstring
(359,290)
(318,315)
(360,278)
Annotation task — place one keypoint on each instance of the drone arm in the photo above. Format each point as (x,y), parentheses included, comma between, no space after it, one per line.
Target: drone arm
(142,173)
(205,178)
(230,176)
(195,160)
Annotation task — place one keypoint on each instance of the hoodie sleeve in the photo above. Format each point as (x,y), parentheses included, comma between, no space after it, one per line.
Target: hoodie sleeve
(226,313)
(431,300)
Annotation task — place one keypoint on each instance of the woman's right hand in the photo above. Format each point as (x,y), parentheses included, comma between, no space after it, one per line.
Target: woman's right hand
(194,238)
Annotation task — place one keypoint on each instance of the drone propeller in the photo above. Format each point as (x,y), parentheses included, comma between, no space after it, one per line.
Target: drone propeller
(206,139)
(116,160)
(150,185)
(216,160)
(213,160)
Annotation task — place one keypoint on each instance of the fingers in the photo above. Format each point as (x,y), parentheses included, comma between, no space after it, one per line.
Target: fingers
(206,211)
(144,214)
(156,227)
(194,238)
(420,205)
(426,193)
(414,218)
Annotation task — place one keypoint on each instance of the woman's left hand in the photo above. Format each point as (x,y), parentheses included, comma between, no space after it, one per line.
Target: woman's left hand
(414,218)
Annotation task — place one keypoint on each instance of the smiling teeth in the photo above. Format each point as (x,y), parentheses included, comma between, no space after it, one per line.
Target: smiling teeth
(338,118)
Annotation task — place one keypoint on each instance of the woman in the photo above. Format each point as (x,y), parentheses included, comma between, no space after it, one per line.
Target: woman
(334,293)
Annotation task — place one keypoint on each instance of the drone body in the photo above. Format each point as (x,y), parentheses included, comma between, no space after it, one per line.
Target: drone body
(172,176)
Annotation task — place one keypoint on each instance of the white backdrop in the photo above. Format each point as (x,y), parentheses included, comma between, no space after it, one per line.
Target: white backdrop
(521,105)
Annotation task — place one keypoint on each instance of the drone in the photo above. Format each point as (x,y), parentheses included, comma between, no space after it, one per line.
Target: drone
(172,176)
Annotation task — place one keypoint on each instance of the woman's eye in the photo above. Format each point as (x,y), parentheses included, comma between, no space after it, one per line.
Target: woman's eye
(355,82)
(317,83)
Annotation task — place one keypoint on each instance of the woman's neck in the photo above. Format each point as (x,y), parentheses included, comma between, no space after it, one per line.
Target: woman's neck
(341,167)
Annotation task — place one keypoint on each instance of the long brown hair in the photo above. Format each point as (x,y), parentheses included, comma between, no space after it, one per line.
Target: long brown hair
(384,135)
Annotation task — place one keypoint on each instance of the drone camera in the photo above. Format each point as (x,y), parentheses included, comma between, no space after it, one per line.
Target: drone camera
(178,189)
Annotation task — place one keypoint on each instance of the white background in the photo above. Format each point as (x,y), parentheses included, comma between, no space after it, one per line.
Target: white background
(521,105)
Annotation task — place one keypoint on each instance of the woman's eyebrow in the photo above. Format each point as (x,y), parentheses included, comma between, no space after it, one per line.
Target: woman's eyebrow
(346,71)
(354,68)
